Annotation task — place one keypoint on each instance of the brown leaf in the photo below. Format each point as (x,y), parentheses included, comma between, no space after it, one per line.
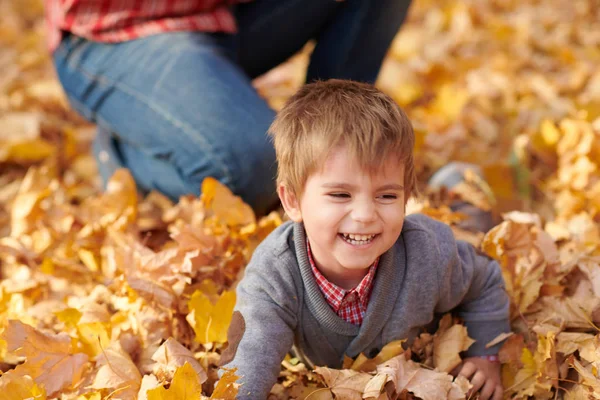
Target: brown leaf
(344,384)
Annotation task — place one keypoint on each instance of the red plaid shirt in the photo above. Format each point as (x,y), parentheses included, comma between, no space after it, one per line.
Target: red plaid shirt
(122,20)
(350,305)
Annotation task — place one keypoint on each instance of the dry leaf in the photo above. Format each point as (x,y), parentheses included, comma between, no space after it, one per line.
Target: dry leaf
(171,355)
(448,345)
(185,386)
(118,373)
(344,384)
(50,359)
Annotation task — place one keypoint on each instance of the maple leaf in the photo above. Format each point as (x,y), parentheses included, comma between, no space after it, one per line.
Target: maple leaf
(587,345)
(50,359)
(211,322)
(344,384)
(423,383)
(447,345)
(184,386)
(227,207)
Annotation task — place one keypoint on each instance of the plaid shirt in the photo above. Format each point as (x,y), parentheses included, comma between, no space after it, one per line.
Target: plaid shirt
(121,20)
(350,305)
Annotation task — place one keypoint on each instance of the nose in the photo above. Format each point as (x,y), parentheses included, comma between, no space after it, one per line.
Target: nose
(364,211)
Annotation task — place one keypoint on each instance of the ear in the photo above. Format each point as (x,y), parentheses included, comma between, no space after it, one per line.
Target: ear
(290,203)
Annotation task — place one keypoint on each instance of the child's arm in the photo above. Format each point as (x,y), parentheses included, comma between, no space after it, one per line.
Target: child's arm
(471,285)
(261,331)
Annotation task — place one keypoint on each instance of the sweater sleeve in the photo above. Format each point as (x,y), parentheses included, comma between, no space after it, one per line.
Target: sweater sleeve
(471,284)
(262,328)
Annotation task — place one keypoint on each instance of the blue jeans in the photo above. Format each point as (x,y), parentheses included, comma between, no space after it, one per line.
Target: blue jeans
(175,108)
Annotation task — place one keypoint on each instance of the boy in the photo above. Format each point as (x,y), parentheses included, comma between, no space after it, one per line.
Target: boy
(349,273)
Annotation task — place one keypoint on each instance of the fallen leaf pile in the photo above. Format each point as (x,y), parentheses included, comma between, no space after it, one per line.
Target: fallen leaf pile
(113,295)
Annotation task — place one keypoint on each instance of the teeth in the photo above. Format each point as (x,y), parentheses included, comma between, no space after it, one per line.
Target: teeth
(357,239)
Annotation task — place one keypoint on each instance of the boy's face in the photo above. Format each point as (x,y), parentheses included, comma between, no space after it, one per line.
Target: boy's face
(351,216)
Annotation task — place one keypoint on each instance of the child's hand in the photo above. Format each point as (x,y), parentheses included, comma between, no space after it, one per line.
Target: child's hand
(485,377)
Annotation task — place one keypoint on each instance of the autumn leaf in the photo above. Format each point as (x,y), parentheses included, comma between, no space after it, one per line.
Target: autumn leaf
(226,206)
(66,243)
(344,384)
(448,344)
(148,382)
(50,359)
(117,372)
(92,327)
(171,355)
(226,388)
(364,364)
(423,383)
(18,387)
(184,386)
(211,322)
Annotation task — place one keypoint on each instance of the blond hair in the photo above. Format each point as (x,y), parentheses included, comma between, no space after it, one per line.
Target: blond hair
(327,114)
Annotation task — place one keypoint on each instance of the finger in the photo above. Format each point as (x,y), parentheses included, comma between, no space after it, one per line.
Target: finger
(487,391)
(467,370)
(477,381)
(498,393)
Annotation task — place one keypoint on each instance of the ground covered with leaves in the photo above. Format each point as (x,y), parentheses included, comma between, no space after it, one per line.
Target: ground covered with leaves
(111,295)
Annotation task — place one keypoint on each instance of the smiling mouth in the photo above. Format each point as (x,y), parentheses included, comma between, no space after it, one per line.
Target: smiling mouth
(357,240)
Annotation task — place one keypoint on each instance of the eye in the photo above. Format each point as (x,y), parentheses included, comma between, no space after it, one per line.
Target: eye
(339,195)
(388,197)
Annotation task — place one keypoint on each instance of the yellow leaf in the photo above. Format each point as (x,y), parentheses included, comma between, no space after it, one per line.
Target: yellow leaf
(30,151)
(449,101)
(227,207)
(172,355)
(88,259)
(448,345)
(390,350)
(90,396)
(69,316)
(210,322)
(51,361)
(185,386)
(227,388)
(17,387)
(94,336)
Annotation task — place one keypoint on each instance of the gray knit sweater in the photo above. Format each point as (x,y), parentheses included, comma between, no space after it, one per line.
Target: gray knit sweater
(427,272)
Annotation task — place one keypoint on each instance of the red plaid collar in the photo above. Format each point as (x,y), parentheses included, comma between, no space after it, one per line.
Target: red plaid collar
(334,294)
